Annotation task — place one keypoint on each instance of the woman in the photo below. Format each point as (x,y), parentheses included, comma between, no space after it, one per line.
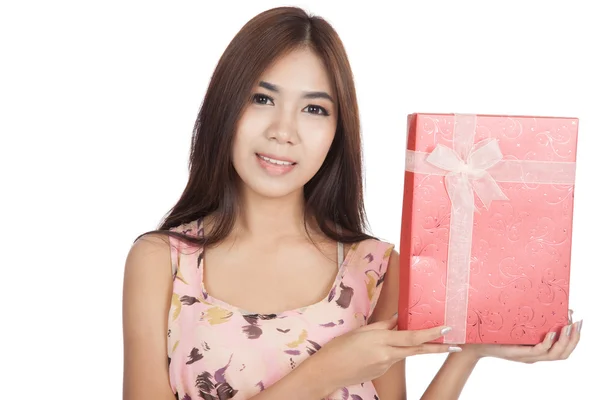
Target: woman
(268,286)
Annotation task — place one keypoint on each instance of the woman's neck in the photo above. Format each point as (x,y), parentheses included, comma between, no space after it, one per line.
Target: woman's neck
(270,218)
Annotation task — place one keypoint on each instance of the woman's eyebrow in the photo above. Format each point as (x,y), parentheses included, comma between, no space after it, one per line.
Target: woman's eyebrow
(306,95)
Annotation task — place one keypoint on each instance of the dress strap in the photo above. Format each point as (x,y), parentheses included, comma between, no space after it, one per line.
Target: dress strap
(340,254)
(174,256)
(340,248)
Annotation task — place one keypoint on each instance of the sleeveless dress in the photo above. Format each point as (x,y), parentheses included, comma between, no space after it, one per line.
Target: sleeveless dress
(218,351)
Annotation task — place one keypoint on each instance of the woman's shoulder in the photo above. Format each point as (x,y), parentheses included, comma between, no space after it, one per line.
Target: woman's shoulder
(373,247)
(147,263)
(370,264)
(159,248)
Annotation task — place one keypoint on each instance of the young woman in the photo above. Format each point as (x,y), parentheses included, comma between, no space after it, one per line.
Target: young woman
(262,282)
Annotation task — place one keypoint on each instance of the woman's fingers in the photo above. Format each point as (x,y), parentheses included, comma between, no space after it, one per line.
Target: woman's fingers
(572,342)
(561,349)
(400,353)
(541,349)
(413,338)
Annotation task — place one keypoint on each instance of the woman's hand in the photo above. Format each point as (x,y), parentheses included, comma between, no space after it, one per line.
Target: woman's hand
(368,352)
(548,350)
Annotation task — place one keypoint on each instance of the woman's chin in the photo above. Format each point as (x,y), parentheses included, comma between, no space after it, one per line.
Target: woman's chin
(274,190)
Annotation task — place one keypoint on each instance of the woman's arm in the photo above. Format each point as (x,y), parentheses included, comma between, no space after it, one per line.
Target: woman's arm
(452,377)
(147,290)
(146,302)
(392,384)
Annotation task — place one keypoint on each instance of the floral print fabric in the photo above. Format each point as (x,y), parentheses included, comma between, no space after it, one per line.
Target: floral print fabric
(218,351)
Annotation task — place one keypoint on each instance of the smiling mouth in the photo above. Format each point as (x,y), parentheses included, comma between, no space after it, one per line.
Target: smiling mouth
(275,161)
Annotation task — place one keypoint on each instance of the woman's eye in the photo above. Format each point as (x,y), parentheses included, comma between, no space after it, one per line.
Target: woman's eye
(261,99)
(318,110)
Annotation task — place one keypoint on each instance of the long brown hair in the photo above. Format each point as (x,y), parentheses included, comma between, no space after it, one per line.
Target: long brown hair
(335,194)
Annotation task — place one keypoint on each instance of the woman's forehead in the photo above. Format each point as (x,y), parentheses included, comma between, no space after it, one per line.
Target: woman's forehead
(296,72)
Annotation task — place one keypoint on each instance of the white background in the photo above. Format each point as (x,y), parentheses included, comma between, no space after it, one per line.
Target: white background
(97,103)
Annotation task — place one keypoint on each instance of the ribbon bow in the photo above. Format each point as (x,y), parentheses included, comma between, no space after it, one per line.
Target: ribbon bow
(467,176)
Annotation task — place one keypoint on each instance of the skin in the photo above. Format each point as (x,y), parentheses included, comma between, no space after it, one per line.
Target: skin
(270,229)
(270,233)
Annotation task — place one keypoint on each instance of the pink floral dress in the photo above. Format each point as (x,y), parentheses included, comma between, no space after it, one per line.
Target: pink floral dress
(218,351)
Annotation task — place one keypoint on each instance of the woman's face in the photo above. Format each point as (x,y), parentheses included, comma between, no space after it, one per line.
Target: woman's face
(285,132)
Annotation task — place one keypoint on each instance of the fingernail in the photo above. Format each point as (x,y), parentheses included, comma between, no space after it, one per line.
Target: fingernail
(570,316)
(446,330)
(568,332)
(579,325)
(395,315)
(552,335)
(454,349)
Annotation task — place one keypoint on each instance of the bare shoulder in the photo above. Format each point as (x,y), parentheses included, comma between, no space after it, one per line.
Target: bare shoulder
(152,247)
(147,278)
(148,261)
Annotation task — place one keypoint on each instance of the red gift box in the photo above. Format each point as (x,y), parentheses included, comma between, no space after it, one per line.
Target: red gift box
(485,245)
